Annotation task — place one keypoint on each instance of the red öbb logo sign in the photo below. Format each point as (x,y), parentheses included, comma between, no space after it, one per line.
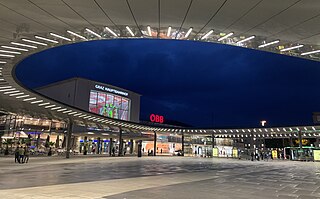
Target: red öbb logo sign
(156,118)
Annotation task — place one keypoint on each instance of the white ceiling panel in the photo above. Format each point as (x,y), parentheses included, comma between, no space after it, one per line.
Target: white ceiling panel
(89,11)
(145,11)
(260,14)
(173,12)
(118,11)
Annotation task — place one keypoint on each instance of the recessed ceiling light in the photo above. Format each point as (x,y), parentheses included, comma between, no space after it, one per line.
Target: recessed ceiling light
(93,33)
(46,39)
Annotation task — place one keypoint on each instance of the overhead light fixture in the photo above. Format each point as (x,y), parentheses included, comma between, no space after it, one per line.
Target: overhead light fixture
(10,92)
(207,35)
(149,31)
(130,31)
(169,31)
(67,111)
(55,108)
(15,94)
(28,99)
(10,89)
(47,103)
(36,102)
(24,45)
(50,106)
(93,33)
(109,30)
(291,48)
(2,87)
(10,52)
(3,55)
(34,42)
(46,39)
(59,36)
(188,33)
(226,36)
(14,48)
(268,44)
(311,52)
(3,62)
(22,96)
(77,35)
(246,39)
(61,110)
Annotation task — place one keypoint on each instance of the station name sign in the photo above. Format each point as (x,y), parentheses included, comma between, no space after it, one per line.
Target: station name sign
(111,90)
(156,118)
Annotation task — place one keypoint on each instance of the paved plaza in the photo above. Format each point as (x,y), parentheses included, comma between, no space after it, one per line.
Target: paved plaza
(158,177)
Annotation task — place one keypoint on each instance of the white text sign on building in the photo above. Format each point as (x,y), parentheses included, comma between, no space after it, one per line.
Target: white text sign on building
(111,90)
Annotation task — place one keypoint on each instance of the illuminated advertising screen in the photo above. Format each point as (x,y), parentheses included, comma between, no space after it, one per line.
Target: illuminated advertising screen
(109,105)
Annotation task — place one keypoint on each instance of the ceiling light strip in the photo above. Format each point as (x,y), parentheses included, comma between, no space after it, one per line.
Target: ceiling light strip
(61,109)
(22,96)
(3,55)
(14,48)
(311,52)
(77,35)
(11,95)
(43,104)
(149,31)
(93,33)
(226,36)
(291,48)
(59,36)
(55,108)
(10,52)
(130,31)
(3,62)
(207,35)
(50,106)
(169,31)
(10,92)
(268,44)
(28,99)
(37,102)
(24,45)
(46,39)
(188,33)
(34,42)
(246,39)
(10,89)
(109,30)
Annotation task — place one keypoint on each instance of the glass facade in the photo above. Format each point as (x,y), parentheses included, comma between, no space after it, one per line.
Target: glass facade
(109,105)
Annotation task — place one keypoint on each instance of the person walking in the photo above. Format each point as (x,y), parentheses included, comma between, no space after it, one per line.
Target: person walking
(26,154)
(16,155)
(21,155)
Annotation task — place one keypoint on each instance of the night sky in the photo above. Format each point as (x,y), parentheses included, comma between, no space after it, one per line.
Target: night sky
(201,84)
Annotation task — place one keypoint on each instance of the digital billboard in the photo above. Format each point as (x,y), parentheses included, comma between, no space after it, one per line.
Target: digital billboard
(109,105)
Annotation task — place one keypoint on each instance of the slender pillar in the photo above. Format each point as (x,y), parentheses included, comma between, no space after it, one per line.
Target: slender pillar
(69,133)
(182,143)
(300,140)
(131,146)
(85,145)
(120,143)
(110,146)
(212,136)
(139,148)
(98,145)
(155,144)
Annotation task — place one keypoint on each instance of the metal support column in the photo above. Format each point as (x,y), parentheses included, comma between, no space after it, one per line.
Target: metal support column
(131,146)
(182,143)
(110,146)
(98,151)
(120,143)
(69,133)
(155,144)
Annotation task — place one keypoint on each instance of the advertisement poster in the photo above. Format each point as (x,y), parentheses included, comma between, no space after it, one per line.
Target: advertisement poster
(316,155)
(235,153)
(274,154)
(215,152)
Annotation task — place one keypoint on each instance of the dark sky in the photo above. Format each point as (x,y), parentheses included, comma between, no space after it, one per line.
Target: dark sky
(201,84)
